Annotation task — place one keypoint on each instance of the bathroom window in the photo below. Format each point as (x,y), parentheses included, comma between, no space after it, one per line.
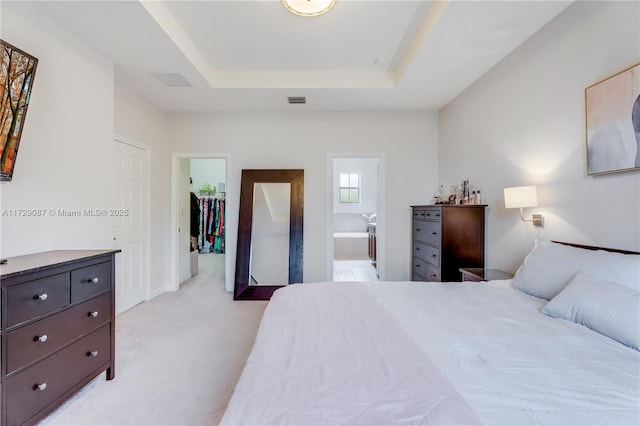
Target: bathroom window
(349,187)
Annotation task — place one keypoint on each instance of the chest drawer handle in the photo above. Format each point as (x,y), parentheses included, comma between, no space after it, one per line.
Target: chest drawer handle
(42,296)
(434,233)
(92,353)
(93,314)
(42,338)
(93,280)
(434,255)
(41,387)
(417,229)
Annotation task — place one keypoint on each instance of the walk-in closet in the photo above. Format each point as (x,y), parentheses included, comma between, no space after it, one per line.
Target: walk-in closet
(202,211)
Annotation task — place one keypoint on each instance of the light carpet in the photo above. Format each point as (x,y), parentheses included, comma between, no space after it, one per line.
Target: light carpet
(178,358)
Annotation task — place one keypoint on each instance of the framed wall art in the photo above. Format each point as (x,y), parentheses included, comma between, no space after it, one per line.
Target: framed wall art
(613,123)
(16,80)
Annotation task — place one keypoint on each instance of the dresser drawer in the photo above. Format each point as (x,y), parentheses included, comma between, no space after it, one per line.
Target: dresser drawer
(428,253)
(431,273)
(86,282)
(43,337)
(55,375)
(427,214)
(428,232)
(35,298)
(425,270)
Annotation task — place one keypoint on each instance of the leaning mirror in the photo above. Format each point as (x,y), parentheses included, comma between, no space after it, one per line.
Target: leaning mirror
(270,249)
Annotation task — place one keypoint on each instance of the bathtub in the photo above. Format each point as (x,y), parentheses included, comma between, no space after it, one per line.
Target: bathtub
(351,245)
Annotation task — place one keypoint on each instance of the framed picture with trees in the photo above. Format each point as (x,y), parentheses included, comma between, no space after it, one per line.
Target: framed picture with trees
(16,80)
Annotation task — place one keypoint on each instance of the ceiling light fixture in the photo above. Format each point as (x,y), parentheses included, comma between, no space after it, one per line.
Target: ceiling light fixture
(308,7)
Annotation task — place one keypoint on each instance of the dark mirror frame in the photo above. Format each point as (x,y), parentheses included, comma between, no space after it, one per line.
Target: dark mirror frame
(242,290)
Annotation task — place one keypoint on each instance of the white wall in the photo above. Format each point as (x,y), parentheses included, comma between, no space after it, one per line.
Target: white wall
(523,123)
(305,140)
(65,155)
(208,170)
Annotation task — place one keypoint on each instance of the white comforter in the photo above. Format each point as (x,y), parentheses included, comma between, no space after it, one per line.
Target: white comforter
(327,353)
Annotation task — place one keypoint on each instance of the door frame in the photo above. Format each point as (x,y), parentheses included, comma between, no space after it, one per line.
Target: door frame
(147,219)
(381,234)
(174,280)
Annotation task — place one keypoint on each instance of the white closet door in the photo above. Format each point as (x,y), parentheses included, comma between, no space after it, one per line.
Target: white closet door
(130,230)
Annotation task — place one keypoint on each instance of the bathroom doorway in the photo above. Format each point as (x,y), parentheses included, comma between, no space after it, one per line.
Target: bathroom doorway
(355,214)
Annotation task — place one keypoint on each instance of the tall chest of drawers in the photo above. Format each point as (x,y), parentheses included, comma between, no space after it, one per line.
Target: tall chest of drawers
(444,239)
(57,329)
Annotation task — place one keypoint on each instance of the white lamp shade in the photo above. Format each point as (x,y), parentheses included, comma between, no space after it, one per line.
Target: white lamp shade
(308,7)
(520,196)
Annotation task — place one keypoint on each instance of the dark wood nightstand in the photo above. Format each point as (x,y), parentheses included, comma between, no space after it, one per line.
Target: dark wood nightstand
(481,274)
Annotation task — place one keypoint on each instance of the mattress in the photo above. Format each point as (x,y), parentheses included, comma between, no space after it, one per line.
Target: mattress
(418,353)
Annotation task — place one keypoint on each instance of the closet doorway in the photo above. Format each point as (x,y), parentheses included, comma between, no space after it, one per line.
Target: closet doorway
(199,205)
(356,218)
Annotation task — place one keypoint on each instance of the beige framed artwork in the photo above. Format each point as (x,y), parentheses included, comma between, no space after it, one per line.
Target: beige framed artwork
(613,123)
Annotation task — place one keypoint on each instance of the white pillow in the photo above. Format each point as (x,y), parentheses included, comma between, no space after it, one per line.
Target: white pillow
(550,266)
(601,305)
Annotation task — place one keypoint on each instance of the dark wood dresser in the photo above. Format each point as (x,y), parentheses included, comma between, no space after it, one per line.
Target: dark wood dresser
(446,238)
(58,329)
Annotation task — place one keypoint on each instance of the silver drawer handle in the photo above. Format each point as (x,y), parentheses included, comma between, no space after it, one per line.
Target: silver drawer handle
(93,314)
(93,280)
(92,353)
(42,338)
(41,387)
(42,296)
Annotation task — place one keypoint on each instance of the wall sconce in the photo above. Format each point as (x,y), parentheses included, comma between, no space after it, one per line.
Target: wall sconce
(520,197)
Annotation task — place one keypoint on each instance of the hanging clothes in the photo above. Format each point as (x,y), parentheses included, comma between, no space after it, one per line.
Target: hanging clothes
(194,219)
(211,224)
(194,222)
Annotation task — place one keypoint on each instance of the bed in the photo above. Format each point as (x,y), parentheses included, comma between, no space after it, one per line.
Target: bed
(558,344)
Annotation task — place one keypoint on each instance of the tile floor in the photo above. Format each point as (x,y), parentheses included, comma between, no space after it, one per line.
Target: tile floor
(354,270)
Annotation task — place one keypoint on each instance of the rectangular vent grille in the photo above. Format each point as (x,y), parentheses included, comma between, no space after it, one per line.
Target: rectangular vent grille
(297,99)
(171,79)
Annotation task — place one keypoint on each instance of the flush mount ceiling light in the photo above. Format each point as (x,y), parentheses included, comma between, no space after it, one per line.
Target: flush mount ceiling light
(308,7)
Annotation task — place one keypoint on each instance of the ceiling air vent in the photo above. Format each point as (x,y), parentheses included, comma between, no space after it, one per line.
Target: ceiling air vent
(297,99)
(171,79)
